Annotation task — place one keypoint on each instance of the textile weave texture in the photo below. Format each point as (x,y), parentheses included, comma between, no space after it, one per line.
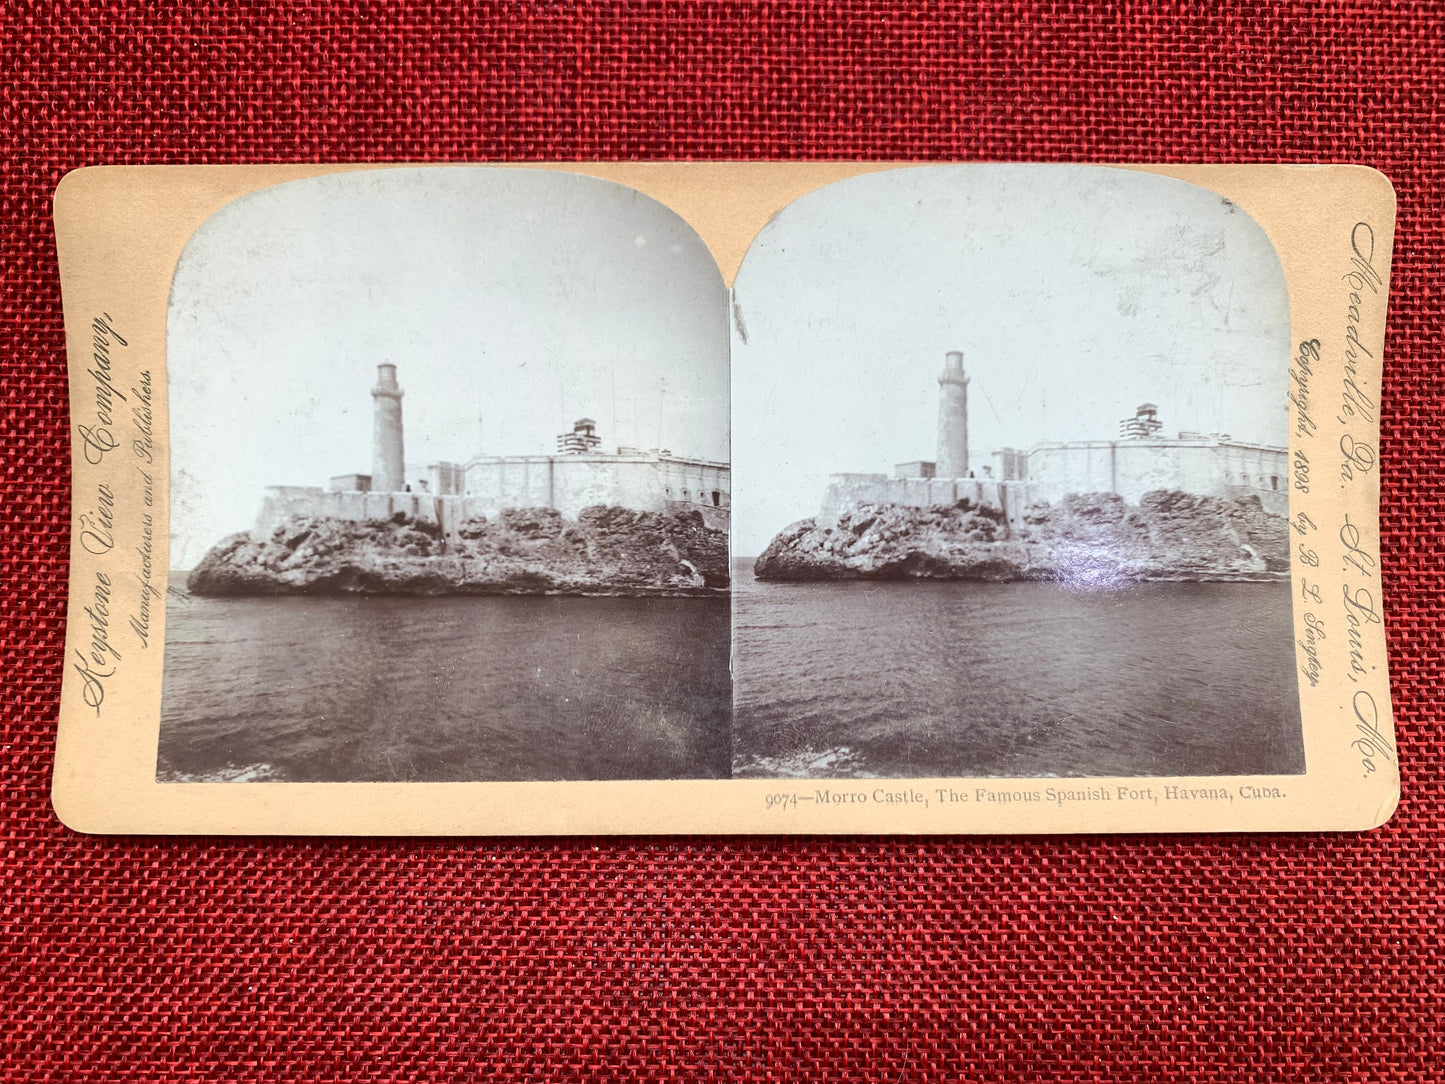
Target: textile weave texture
(1187,958)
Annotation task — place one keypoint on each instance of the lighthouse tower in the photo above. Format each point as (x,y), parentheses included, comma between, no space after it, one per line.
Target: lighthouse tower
(388,463)
(952,418)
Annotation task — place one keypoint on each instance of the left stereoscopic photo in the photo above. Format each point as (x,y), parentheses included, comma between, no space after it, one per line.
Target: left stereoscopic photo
(450,486)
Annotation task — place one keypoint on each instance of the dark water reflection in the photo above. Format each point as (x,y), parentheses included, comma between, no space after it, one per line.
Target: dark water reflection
(960,679)
(832,680)
(445,689)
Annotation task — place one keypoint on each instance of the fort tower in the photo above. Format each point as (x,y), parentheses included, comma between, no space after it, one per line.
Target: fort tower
(952,418)
(388,463)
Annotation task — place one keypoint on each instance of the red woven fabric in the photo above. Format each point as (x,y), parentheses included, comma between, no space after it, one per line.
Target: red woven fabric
(1125,958)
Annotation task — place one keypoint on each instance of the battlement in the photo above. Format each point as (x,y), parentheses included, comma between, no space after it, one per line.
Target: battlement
(648,481)
(1141,461)
(578,477)
(847,492)
(1206,466)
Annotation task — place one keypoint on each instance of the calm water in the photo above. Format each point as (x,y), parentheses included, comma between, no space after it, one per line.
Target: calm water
(941,679)
(831,680)
(445,689)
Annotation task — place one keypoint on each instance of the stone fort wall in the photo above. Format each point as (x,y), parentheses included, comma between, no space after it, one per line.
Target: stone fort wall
(282,502)
(1132,468)
(1129,468)
(847,491)
(566,483)
(573,482)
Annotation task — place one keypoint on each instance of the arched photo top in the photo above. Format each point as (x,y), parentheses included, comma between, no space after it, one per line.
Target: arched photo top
(1075,294)
(512,301)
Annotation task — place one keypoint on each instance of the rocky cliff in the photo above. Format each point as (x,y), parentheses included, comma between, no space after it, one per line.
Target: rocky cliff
(1095,538)
(528,551)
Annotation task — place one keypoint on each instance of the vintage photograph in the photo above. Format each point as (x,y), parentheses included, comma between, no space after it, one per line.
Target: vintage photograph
(779,497)
(450,485)
(1012,485)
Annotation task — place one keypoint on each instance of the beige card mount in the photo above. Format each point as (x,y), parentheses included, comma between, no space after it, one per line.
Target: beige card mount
(558,498)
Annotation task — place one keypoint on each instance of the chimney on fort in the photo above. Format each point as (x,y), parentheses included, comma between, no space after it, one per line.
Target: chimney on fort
(952,418)
(388,463)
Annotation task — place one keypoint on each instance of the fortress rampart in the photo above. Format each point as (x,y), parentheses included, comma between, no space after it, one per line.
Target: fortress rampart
(1206,466)
(578,477)
(847,491)
(1139,462)
(1130,468)
(568,483)
(282,502)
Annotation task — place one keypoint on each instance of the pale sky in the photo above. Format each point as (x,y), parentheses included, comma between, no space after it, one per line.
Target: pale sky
(515,301)
(512,301)
(1075,293)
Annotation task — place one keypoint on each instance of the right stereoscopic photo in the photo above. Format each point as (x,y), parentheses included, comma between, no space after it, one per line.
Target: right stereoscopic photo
(1011,483)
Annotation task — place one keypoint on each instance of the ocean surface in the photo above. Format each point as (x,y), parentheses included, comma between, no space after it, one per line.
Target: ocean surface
(1020,679)
(830,681)
(451,689)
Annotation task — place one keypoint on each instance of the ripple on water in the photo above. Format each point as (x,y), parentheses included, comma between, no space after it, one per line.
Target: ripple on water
(960,679)
(318,689)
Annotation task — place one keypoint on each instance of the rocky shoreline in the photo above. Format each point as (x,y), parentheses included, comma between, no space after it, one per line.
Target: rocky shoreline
(606,550)
(1091,539)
